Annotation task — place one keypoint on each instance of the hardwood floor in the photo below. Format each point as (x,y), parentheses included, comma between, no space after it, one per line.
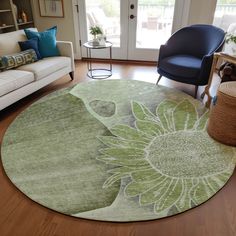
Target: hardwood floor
(20,216)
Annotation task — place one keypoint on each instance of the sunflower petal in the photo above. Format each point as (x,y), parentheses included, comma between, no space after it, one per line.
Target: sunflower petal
(112,179)
(171,195)
(184,201)
(223,177)
(202,122)
(128,133)
(185,115)
(121,161)
(155,193)
(124,157)
(149,128)
(201,192)
(216,182)
(141,112)
(117,142)
(165,113)
(129,153)
(136,188)
(127,169)
(146,175)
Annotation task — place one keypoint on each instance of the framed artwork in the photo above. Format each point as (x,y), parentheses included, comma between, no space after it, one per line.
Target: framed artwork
(51,8)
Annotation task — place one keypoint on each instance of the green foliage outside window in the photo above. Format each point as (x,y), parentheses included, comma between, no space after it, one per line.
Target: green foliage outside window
(226,2)
(230,38)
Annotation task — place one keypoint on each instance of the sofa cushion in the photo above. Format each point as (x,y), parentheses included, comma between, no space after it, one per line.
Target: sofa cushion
(31,44)
(46,66)
(19,59)
(47,41)
(8,42)
(13,79)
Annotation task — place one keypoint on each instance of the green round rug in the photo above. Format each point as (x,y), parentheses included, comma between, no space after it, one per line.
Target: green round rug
(116,150)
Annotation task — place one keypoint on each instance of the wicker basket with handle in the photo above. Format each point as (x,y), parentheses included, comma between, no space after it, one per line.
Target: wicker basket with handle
(222,120)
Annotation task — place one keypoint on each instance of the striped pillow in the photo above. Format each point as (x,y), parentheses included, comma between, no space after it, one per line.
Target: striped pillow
(2,66)
(15,60)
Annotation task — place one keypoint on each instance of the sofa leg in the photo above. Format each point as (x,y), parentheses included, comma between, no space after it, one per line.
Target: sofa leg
(72,75)
(196,89)
(158,79)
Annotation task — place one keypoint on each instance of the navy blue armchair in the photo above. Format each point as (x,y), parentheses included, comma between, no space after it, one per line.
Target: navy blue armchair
(187,55)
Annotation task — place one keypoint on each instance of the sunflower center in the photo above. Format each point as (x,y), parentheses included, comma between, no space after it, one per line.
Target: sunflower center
(188,154)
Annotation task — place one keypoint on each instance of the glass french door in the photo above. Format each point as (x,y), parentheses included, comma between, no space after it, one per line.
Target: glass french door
(150,25)
(136,28)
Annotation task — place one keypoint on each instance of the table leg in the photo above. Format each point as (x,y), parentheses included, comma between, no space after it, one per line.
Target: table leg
(207,89)
(111,59)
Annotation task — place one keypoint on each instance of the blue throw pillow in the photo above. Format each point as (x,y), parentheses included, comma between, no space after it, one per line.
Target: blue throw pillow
(47,41)
(31,44)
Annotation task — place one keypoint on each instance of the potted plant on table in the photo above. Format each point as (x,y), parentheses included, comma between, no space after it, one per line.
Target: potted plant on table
(231,39)
(95,31)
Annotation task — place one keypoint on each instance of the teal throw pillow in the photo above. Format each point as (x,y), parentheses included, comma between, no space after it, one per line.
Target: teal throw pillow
(47,41)
(18,59)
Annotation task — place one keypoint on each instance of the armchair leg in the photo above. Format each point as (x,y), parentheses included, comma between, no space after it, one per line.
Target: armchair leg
(203,95)
(196,89)
(158,79)
(72,75)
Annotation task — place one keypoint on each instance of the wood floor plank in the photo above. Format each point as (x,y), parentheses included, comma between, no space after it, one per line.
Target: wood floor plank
(20,216)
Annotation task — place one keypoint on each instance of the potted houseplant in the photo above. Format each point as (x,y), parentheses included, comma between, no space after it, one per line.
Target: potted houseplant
(231,40)
(95,31)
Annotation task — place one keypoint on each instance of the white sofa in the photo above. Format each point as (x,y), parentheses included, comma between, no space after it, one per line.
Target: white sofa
(24,80)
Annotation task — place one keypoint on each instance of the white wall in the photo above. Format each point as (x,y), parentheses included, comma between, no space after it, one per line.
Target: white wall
(189,12)
(202,11)
(65,25)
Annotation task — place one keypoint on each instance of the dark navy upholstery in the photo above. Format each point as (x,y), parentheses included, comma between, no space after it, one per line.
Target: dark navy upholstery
(187,55)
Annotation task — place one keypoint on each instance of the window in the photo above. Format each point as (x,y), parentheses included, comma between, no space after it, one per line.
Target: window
(225,13)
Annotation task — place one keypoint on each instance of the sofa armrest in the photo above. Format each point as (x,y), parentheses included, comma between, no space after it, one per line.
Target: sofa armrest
(66,49)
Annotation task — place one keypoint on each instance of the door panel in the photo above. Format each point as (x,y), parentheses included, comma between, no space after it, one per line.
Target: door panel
(109,15)
(150,28)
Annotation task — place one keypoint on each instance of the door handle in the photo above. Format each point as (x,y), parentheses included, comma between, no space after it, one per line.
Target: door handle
(132,17)
(77,7)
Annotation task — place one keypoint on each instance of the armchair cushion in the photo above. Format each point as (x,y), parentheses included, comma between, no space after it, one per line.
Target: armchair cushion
(181,65)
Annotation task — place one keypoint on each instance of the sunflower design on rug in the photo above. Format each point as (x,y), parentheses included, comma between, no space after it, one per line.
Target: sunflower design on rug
(168,158)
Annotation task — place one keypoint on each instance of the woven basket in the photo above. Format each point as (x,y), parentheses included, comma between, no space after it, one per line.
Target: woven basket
(222,121)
